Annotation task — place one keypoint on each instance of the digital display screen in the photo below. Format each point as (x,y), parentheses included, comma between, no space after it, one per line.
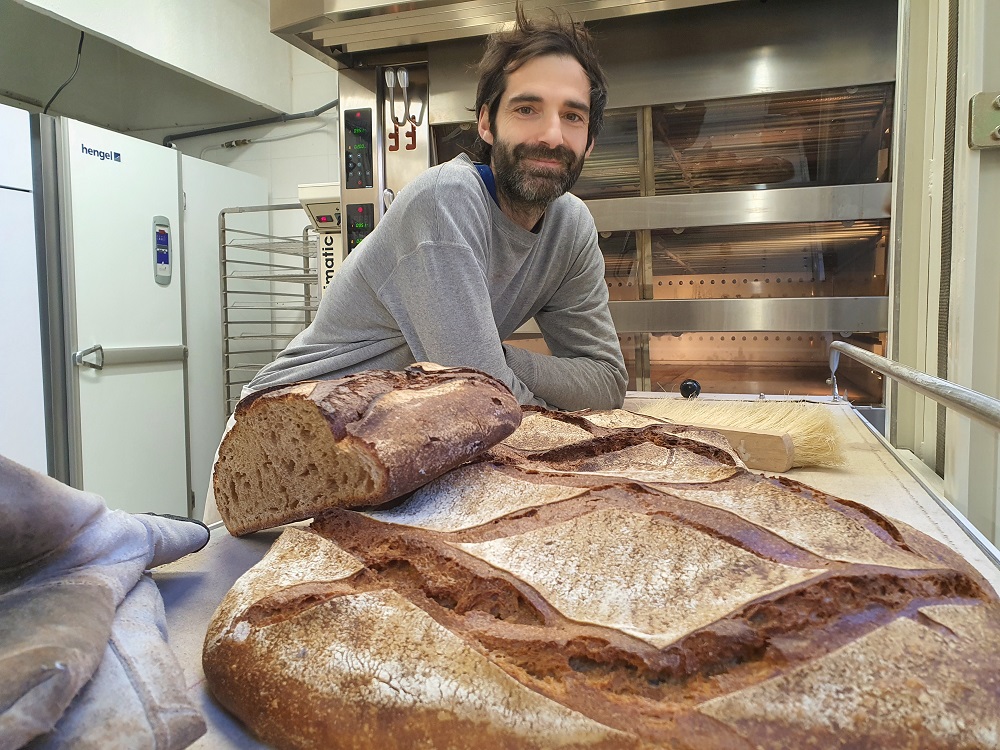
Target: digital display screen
(358,149)
(360,222)
(362,219)
(162,256)
(162,238)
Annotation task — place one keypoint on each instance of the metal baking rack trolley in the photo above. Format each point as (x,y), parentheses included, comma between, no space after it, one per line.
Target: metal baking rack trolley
(269,287)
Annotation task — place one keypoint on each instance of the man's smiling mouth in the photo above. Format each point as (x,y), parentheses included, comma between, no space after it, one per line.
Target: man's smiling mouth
(548,164)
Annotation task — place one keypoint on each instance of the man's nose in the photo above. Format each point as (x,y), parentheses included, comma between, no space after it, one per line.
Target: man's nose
(551,133)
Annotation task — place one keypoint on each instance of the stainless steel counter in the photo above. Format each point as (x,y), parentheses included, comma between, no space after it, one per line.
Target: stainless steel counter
(874,475)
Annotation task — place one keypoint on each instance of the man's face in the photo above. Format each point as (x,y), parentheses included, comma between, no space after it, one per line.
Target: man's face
(539,138)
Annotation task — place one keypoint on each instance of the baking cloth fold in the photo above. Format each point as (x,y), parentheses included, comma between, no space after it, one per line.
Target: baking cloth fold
(84,658)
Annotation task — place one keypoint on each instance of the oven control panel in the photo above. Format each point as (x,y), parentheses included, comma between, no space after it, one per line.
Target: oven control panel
(358,149)
(360,219)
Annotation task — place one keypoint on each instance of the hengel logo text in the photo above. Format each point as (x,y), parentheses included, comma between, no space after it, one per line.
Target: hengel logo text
(102,155)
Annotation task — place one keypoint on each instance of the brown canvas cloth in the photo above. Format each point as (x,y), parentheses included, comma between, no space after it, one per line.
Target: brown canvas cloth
(84,659)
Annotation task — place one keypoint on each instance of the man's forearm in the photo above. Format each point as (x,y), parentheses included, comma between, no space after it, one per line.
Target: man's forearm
(570,383)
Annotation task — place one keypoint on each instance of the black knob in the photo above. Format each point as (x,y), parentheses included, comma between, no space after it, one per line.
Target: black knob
(690,388)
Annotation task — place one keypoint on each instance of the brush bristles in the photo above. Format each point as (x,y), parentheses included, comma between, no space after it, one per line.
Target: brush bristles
(810,426)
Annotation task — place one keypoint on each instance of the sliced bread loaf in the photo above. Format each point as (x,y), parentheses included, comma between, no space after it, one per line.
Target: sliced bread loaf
(362,440)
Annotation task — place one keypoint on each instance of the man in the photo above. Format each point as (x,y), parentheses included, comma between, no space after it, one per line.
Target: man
(458,264)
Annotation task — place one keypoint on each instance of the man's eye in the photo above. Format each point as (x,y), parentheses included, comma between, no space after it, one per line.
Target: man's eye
(524,110)
(574,117)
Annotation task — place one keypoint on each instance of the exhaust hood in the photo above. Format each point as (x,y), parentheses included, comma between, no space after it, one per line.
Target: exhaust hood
(337,30)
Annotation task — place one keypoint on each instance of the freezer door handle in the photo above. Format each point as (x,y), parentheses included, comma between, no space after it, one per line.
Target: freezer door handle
(79,361)
(129,355)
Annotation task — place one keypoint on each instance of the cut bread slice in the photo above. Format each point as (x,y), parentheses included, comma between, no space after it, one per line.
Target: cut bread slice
(363,440)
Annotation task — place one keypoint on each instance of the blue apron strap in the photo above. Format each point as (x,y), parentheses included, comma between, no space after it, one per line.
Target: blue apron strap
(487,174)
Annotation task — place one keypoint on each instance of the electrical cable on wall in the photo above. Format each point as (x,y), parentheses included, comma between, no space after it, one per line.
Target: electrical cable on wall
(169,140)
(248,141)
(79,51)
(270,139)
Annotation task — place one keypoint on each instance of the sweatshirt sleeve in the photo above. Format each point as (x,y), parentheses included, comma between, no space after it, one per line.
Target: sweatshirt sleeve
(439,298)
(586,369)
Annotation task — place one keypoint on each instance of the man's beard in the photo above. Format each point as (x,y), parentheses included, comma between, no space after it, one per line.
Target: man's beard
(529,186)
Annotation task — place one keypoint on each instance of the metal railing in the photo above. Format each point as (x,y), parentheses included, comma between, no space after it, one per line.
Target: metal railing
(965,401)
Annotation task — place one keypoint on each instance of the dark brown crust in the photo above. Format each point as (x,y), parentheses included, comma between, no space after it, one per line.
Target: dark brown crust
(651,695)
(249,689)
(567,457)
(413,424)
(604,673)
(345,401)
(898,533)
(429,436)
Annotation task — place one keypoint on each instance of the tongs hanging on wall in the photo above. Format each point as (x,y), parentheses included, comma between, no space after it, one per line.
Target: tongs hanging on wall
(402,77)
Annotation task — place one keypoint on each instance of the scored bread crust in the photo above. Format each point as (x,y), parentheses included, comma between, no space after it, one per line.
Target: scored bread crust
(537,598)
(361,440)
(326,658)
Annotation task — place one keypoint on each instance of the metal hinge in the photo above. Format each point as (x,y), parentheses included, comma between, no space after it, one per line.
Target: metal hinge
(984,120)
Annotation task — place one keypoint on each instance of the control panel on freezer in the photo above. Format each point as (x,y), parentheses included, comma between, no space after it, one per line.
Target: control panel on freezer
(162,250)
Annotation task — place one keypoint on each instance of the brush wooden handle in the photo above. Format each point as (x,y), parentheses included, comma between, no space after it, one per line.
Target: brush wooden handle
(762,450)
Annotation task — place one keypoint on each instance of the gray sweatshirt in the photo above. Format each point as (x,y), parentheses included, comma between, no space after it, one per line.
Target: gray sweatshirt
(445,277)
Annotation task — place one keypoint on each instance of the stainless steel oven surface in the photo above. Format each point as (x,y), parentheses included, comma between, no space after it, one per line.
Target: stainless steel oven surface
(768,197)
(741,185)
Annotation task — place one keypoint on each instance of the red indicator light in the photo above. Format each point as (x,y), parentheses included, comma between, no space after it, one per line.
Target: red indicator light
(357,114)
(324,219)
(360,209)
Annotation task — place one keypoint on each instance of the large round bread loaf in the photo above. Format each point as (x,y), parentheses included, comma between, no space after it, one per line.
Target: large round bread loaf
(589,585)
(361,440)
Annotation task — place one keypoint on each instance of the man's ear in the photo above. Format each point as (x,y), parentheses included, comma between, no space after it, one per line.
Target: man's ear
(590,148)
(484,125)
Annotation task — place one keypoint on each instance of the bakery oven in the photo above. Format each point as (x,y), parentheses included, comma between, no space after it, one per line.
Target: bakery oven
(742,186)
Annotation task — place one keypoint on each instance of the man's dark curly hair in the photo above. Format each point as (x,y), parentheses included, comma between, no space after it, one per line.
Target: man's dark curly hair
(506,51)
